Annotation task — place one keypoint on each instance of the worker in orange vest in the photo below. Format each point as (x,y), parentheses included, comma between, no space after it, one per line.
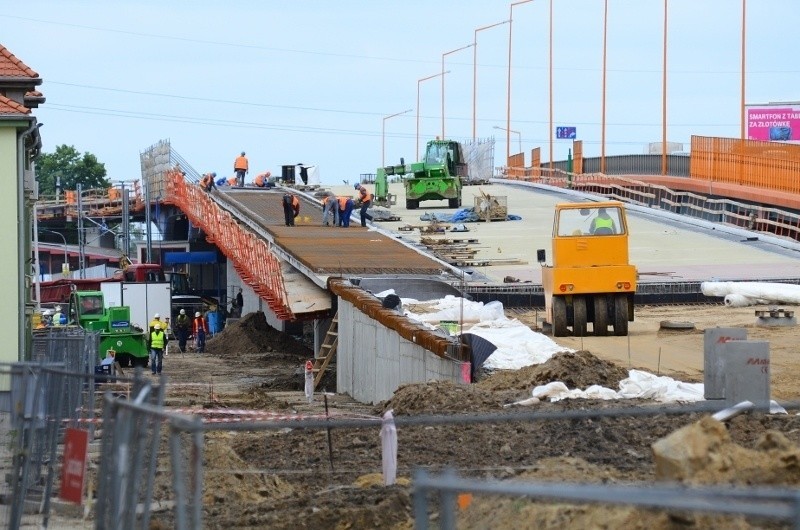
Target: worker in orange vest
(207,182)
(291,208)
(345,210)
(330,206)
(200,329)
(364,200)
(233,181)
(241,167)
(261,179)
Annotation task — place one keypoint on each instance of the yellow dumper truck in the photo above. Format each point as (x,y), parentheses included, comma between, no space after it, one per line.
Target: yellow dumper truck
(590,279)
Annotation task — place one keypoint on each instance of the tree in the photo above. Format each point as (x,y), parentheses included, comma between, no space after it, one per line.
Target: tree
(73,168)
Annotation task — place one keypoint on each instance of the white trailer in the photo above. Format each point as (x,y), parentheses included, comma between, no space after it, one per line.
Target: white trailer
(144,299)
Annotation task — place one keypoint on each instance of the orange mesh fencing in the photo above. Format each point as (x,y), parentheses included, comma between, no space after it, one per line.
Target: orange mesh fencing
(769,165)
(249,254)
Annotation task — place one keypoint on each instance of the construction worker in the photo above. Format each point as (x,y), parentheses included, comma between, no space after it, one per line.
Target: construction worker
(156,321)
(262,179)
(330,207)
(345,210)
(158,341)
(58,317)
(233,181)
(291,208)
(47,316)
(239,301)
(182,326)
(200,332)
(603,224)
(365,200)
(241,167)
(207,182)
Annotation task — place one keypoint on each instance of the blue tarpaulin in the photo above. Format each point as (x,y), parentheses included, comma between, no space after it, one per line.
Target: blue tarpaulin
(178,258)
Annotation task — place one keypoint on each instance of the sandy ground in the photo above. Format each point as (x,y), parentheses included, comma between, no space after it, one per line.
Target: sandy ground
(302,479)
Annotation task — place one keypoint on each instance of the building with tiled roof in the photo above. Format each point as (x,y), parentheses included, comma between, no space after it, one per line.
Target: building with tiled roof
(20,143)
(18,81)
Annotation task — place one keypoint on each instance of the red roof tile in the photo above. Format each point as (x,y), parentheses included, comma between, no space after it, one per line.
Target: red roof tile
(9,106)
(10,66)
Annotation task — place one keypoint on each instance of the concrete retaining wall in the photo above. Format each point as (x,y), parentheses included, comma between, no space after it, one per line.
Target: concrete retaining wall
(383,360)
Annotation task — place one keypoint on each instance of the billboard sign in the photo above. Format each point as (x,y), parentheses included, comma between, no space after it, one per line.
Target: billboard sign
(773,122)
(566,133)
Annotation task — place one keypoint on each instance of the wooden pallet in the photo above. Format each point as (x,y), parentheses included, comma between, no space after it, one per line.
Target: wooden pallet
(327,350)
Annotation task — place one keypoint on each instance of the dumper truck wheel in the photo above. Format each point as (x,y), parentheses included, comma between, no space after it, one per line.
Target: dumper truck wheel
(412,204)
(560,317)
(600,315)
(621,315)
(579,316)
(454,203)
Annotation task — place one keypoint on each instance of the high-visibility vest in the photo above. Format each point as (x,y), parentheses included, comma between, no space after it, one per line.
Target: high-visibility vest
(157,339)
(363,195)
(241,163)
(343,202)
(200,324)
(603,222)
(259,180)
(231,181)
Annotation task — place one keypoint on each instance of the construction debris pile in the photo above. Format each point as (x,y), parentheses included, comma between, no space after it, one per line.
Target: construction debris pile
(252,334)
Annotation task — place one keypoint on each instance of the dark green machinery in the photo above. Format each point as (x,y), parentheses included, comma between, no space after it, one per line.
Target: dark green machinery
(87,309)
(438,176)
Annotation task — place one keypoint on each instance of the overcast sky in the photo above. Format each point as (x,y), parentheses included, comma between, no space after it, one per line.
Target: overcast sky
(311,81)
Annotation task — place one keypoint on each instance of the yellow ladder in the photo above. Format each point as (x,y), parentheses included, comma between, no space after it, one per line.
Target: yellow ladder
(326,351)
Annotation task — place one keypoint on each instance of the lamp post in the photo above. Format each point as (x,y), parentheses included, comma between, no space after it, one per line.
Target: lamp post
(519,135)
(383,135)
(508,95)
(66,257)
(475,76)
(742,109)
(603,105)
(443,56)
(419,82)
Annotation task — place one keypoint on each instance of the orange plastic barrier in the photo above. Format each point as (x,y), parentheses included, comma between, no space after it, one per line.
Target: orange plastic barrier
(249,254)
(114,194)
(769,165)
(71,196)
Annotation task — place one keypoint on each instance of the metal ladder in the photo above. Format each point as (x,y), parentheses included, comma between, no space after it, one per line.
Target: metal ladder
(327,350)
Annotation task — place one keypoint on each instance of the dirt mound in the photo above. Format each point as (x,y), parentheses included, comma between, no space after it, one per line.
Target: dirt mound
(440,397)
(578,369)
(252,334)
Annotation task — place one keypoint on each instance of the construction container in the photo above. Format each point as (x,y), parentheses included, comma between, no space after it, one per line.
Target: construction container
(287,174)
(491,207)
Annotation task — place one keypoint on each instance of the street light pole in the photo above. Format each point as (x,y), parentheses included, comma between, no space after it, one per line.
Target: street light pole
(443,56)
(519,135)
(475,76)
(508,94)
(383,135)
(419,82)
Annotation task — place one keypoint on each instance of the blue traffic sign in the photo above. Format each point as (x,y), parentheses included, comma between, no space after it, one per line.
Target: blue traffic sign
(567,133)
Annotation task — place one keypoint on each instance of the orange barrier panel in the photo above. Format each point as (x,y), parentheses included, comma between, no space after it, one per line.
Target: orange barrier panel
(577,157)
(769,165)
(249,254)
(516,166)
(114,194)
(536,162)
(71,196)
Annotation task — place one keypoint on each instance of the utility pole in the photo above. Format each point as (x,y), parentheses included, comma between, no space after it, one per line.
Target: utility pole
(147,220)
(126,234)
(81,233)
